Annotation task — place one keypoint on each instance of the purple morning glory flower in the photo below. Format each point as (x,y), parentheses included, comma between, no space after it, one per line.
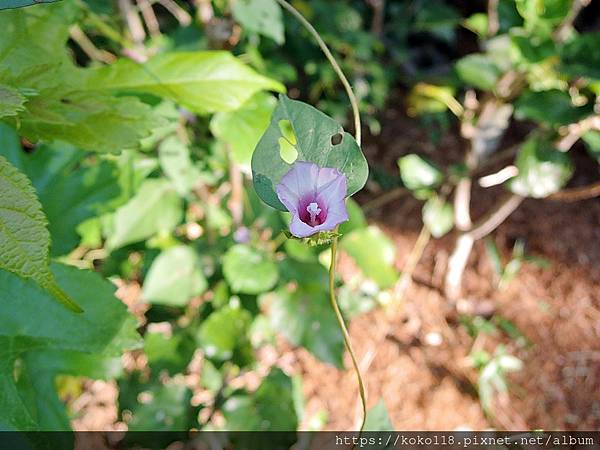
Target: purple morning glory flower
(314,196)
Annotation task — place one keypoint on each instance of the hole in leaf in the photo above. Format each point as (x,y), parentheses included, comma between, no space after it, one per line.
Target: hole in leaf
(336,139)
(287,142)
(287,151)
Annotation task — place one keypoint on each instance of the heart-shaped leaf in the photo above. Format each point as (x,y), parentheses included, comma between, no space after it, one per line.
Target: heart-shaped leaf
(299,129)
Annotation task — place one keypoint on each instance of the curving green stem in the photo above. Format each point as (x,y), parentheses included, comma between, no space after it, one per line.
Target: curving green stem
(340,319)
(357,134)
(336,67)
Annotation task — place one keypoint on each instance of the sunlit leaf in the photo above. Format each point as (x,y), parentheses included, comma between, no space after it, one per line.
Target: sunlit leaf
(248,270)
(260,16)
(438,216)
(207,81)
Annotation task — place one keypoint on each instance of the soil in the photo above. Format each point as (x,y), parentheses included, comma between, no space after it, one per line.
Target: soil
(428,383)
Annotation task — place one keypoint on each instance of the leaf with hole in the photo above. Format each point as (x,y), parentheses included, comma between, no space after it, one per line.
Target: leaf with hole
(314,137)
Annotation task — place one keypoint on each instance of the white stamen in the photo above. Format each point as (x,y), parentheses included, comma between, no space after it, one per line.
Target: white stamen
(314,210)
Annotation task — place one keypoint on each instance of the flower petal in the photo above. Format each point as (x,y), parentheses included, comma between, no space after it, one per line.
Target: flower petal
(301,229)
(300,180)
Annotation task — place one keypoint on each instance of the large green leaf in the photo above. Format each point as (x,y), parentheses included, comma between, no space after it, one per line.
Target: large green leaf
(543,170)
(175,277)
(315,137)
(305,318)
(373,253)
(155,208)
(248,270)
(270,408)
(203,82)
(24,238)
(260,16)
(242,128)
(56,341)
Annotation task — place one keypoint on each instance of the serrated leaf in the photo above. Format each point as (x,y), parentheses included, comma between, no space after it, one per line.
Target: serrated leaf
(175,277)
(206,81)
(24,238)
(419,173)
(543,170)
(305,318)
(11,101)
(242,128)
(155,208)
(260,16)
(438,216)
(67,343)
(70,189)
(374,253)
(248,270)
(316,138)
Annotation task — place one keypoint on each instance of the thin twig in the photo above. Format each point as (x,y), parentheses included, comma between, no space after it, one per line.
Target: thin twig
(96,54)
(182,16)
(149,17)
(577,194)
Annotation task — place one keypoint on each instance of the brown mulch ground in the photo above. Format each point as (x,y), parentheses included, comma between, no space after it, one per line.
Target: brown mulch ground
(427,384)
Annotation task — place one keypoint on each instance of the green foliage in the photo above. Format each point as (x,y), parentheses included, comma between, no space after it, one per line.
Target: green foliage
(378,418)
(249,271)
(270,408)
(68,336)
(241,129)
(438,216)
(374,253)
(11,101)
(155,208)
(418,174)
(552,107)
(581,56)
(478,71)
(260,16)
(313,140)
(203,82)
(305,318)
(175,277)
(223,335)
(543,170)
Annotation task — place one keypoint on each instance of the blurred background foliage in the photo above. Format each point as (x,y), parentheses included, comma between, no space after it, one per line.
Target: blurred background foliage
(135,122)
